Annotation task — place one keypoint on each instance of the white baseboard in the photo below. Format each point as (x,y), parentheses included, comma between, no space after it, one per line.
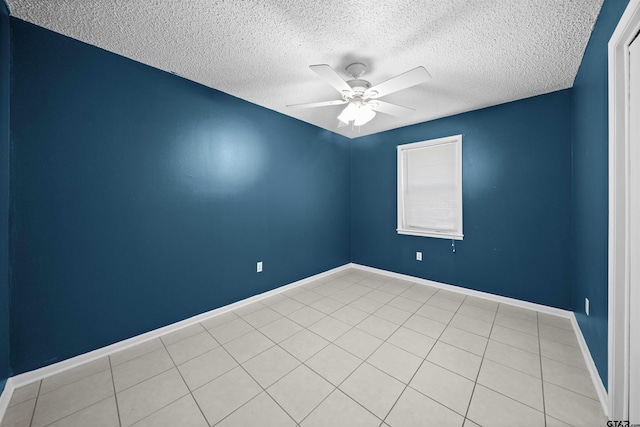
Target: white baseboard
(492,297)
(49,370)
(603,396)
(5,397)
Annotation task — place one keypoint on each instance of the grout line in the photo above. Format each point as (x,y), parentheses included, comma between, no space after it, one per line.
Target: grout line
(573,391)
(181,339)
(544,407)
(72,382)
(314,354)
(333,342)
(35,405)
(240,365)
(475,383)
(175,366)
(342,382)
(510,397)
(77,411)
(501,364)
(424,359)
(414,312)
(115,395)
(153,376)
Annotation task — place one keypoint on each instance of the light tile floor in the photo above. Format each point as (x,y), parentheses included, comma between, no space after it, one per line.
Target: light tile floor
(352,349)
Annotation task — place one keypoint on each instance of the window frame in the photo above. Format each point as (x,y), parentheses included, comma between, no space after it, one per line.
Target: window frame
(457,234)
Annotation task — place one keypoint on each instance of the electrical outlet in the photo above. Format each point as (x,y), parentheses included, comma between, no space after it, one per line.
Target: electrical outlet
(586,306)
(259,267)
(418,256)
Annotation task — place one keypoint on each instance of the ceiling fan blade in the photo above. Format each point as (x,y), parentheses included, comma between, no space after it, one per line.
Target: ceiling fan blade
(403,81)
(342,124)
(333,78)
(390,109)
(317,104)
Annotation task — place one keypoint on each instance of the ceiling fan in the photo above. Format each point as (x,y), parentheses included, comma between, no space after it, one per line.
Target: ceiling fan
(361,98)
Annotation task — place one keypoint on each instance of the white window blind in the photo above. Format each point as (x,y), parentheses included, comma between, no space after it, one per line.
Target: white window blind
(430,188)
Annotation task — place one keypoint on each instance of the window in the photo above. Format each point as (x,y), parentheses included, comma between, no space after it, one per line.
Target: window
(430,188)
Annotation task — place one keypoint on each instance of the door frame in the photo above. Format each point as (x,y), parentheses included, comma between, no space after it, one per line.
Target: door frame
(619,212)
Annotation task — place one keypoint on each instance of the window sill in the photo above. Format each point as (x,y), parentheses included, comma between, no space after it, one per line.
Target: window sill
(431,233)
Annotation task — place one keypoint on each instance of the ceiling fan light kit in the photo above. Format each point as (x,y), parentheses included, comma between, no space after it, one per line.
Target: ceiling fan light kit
(358,113)
(361,98)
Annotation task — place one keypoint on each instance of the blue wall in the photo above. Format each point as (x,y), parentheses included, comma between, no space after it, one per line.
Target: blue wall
(140,198)
(516,202)
(590,185)
(4,193)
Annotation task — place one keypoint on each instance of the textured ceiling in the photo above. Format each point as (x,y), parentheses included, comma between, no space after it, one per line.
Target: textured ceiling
(479,52)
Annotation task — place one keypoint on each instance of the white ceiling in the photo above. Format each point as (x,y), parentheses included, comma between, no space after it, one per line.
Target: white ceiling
(479,52)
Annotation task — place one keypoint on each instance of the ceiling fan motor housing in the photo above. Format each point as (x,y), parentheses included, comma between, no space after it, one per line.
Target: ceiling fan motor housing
(359,86)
